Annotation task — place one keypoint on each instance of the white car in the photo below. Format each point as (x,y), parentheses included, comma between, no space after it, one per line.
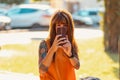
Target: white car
(2,11)
(30,15)
(87,16)
(4,22)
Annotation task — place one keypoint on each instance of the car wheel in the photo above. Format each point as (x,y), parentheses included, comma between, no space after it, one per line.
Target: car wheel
(36,25)
(76,22)
(7,27)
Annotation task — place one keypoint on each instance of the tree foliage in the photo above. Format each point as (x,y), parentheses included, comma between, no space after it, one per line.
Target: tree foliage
(41,0)
(12,1)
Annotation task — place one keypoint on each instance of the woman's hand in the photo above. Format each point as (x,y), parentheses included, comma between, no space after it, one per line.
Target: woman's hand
(57,42)
(67,47)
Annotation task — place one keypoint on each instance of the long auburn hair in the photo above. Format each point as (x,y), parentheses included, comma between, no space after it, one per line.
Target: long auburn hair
(62,16)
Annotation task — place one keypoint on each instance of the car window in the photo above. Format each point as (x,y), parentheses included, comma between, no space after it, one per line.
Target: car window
(16,11)
(2,12)
(13,11)
(83,13)
(86,13)
(92,13)
(27,10)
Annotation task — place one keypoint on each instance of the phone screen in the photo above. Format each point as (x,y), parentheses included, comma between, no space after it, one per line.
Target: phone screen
(62,31)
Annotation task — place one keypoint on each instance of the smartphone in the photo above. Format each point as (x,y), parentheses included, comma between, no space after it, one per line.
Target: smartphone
(62,31)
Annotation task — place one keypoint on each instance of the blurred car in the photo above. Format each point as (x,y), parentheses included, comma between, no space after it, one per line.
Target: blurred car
(87,17)
(4,22)
(30,15)
(2,11)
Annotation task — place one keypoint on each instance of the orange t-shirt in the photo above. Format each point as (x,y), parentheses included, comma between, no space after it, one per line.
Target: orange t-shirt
(60,68)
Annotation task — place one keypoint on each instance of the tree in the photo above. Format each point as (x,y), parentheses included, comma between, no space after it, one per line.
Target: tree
(112,25)
(12,1)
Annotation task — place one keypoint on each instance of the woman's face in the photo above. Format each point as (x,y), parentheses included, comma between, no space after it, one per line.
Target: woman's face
(58,25)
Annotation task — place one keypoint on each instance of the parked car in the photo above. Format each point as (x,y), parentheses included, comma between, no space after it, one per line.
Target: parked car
(2,11)
(87,17)
(30,15)
(4,22)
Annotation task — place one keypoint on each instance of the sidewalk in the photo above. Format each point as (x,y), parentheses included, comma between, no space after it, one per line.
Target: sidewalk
(27,37)
(5,75)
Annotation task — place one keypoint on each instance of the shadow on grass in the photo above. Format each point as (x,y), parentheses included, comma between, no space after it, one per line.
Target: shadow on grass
(41,28)
(37,39)
(116,72)
(26,29)
(115,58)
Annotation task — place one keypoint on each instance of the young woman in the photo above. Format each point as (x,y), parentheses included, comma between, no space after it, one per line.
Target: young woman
(58,54)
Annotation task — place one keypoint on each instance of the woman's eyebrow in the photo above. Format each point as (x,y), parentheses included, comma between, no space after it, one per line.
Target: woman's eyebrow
(65,24)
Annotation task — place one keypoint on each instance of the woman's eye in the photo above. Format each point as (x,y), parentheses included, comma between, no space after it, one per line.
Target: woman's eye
(65,25)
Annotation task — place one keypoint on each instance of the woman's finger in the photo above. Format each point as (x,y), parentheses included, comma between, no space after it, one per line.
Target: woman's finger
(61,42)
(61,39)
(57,36)
(66,45)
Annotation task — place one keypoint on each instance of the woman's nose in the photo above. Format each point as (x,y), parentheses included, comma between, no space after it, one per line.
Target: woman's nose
(61,25)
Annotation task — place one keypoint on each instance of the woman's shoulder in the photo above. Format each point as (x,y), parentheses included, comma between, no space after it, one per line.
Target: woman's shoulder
(44,43)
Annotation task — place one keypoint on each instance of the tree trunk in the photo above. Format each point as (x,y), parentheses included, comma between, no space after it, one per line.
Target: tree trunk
(112,25)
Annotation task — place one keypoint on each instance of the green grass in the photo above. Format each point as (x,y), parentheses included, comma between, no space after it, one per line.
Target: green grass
(94,61)
(25,59)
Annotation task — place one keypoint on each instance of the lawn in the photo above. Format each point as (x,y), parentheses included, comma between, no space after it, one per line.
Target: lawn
(94,61)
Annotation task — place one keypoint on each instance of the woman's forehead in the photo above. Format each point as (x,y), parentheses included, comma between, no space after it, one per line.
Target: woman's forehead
(61,23)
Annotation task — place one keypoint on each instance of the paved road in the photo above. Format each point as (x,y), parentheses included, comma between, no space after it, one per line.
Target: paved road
(26,36)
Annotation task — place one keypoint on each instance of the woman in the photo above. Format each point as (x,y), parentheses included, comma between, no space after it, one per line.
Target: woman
(58,53)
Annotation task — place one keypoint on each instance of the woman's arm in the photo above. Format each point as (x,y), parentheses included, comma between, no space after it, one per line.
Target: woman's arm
(45,58)
(71,53)
(74,61)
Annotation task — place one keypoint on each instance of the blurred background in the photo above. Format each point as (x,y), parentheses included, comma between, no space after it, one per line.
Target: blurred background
(24,23)
(35,13)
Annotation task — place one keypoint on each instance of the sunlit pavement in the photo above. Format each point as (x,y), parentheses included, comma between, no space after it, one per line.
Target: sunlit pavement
(5,75)
(27,36)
